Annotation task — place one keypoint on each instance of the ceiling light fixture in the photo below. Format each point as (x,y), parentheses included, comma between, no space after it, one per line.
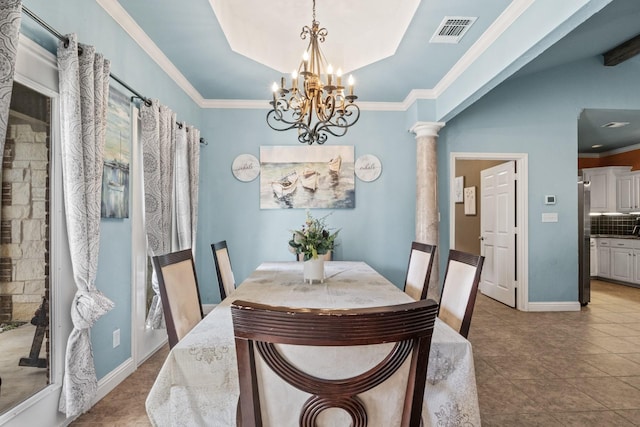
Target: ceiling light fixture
(596,146)
(295,107)
(615,124)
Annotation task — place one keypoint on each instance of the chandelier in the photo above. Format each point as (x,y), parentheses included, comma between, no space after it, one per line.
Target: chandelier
(315,104)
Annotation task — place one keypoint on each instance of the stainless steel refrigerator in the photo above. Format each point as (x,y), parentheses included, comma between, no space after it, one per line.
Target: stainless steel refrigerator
(584,240)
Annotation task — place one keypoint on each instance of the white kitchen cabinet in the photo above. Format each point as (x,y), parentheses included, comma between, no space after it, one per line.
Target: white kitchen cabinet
(604,186)
(593,257)
(636,266)
(616,259)
(625,193)
(636,191)
(621,265)
(628,192)
(604,255)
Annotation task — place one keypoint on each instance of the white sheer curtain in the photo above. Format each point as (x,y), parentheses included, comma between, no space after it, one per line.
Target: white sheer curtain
(158,145)
(10,13)
(186,190)
(84,92)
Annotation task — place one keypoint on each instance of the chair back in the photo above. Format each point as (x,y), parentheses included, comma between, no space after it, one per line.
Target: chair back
(226,281)
(459,290)
(178,292)
(393,338)
(416,283)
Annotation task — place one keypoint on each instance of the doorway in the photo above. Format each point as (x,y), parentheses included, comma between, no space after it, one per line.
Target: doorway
(483,161)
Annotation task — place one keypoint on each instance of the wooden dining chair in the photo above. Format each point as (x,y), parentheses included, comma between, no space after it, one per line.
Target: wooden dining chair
(416,283)
(226,281)
(264,329)
(459,290)
(179,293)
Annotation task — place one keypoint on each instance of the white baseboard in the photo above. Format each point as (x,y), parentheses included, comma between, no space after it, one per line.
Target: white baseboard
(153,351)
(47,402)
(114,378)
(554,306)
(206,308)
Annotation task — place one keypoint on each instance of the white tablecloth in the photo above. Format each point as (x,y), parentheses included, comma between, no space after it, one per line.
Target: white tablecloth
(198,383)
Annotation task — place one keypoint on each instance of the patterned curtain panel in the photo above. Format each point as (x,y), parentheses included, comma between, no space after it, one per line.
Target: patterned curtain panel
(10,13)
(194,176)
(84,90)
(158,144)
(187,169)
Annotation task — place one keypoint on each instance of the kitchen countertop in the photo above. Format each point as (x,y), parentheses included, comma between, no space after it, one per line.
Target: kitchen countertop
(616,236)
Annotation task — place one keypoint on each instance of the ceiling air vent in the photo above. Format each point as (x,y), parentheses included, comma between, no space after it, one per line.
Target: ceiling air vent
(452,28)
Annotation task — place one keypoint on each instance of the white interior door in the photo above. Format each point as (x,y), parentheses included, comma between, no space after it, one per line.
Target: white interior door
(498,230)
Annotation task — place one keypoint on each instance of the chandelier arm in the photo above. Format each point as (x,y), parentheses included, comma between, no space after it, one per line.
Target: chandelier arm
(346,119)
(275,118)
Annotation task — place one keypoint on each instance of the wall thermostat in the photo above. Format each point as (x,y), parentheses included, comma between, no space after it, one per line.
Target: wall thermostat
(549,200)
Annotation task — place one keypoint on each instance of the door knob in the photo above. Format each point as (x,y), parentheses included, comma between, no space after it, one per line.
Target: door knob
(480,238)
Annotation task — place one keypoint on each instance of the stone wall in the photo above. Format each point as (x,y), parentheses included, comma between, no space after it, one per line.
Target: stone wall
(24,232)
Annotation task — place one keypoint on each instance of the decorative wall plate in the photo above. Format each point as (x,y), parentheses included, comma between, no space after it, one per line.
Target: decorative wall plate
(245,167)
(368,167)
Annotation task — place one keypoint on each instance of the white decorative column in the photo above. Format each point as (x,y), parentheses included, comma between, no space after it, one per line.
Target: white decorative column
(427,222)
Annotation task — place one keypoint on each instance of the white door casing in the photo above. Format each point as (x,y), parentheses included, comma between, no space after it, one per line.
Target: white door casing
(522,213)
(497,227)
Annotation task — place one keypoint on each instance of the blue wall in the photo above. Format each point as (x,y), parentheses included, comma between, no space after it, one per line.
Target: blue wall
(130,63)
(379,230)
(537,114)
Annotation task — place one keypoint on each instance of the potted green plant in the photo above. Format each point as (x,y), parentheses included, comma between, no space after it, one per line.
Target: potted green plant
(313,240)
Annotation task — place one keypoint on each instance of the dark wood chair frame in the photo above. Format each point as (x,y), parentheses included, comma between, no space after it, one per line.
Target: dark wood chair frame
(423,247)
(159,262)
(216,247)
(258,326)
(476,261)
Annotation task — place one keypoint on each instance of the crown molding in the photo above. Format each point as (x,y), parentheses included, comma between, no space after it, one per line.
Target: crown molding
(495,30)
(122,18)
(588,155)
(610,152)
(417,94)
(247,104)
(262,104)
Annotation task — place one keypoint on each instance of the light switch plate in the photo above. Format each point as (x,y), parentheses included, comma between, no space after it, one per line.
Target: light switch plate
(116,338)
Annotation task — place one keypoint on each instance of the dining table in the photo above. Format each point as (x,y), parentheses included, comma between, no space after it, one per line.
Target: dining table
(198,382)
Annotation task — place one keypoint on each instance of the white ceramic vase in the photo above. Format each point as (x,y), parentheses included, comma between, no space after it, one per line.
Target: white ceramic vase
(314,270)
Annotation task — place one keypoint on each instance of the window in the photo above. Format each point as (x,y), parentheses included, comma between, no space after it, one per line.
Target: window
(24,248)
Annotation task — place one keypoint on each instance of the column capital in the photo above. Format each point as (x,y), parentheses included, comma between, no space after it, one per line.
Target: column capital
(426,128)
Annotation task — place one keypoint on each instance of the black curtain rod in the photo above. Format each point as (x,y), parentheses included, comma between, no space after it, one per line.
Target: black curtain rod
(65,39)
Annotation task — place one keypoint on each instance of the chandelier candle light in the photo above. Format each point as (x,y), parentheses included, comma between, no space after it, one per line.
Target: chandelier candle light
(296,106)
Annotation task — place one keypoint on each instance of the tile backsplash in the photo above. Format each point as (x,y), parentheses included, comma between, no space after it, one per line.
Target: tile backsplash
(619,224)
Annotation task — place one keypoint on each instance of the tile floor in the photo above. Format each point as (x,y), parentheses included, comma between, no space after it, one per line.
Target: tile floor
(19,382)
(124,406)
(560,369)
(533,369)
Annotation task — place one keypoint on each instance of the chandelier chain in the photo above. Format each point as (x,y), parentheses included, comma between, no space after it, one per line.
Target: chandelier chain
(314,11)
